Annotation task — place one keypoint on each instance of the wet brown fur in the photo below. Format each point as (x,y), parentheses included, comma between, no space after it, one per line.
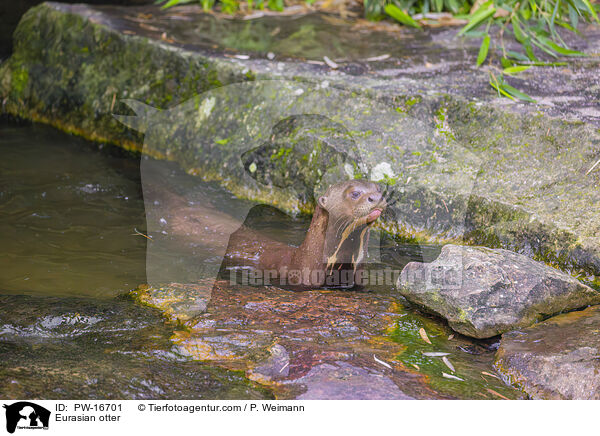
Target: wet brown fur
(336,239)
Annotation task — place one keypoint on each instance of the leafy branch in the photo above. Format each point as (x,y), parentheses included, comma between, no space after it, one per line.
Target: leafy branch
(533,23)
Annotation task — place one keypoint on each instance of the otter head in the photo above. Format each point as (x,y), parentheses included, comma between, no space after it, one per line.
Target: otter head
(353,202)
(352,206)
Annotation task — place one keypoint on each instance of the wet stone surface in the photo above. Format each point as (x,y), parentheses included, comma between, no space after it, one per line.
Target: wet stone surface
(484,292)
(556,359)
(328,344)
(71,348)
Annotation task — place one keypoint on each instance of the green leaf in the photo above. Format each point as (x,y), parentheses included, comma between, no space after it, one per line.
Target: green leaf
(439,5)
(453,5)
(533,6)
(516,70)
(506,62)
(484,12)
(171,3)
(529,49)
(399,15)
(207,4)
(517,56)
(275,5)
(554,12)
(567,26)
(557,48)
(590,9)
(516,93)
(519,35)
(483,50)
(506,90)
(544,48)
(500,90)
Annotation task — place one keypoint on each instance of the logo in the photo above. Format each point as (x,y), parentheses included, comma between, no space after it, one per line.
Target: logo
(26,415)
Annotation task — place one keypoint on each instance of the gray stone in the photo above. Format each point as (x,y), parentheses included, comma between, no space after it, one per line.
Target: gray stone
(484,292)
(555,359)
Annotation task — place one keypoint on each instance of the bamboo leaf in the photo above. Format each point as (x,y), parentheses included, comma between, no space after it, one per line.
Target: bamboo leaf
(171,3)
(500,90)
(573,16)
(516,69)
(590,8)
(519,35)
(484,12)
(529,49)
(506,62)
(547,64)
(516,93)
(554,12)
(506,90)
(544,48)
(483,50)
(557,48)
(399,15)
(424,336)
(517,56)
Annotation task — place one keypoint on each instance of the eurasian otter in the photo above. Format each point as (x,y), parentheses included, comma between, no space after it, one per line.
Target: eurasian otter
(333,250)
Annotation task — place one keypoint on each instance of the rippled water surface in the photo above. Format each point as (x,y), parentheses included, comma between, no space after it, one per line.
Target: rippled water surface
(68,210)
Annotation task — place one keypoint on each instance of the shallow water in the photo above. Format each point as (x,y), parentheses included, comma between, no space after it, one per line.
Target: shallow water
(68,210)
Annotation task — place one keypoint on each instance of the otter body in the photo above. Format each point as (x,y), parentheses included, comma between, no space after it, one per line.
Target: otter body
(333,250)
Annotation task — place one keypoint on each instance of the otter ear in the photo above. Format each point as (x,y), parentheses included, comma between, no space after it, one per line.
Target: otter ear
(322,201)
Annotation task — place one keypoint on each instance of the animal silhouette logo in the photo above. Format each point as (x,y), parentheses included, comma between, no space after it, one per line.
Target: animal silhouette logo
(26,415)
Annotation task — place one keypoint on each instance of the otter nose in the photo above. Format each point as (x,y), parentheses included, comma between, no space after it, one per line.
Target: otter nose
(374,197)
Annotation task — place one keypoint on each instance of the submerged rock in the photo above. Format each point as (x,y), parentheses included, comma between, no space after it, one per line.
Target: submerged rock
(73,348)
(325,344)
(484,292)
(555,359)
(341,381)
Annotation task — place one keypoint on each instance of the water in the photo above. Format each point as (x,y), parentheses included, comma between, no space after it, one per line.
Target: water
(68,210)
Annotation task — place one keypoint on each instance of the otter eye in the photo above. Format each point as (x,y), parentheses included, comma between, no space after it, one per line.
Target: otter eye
(354,195)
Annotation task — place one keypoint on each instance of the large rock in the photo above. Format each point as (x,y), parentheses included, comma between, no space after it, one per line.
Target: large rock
(484,292)
(555,359)
(462,163)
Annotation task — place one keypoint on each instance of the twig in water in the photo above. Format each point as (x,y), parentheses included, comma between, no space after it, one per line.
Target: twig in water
(137,232)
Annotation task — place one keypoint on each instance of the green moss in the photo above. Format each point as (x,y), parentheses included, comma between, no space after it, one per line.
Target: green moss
(20,79)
